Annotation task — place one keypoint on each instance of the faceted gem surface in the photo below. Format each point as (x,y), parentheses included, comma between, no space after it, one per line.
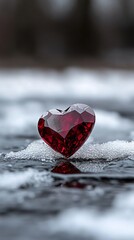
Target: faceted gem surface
(66,130)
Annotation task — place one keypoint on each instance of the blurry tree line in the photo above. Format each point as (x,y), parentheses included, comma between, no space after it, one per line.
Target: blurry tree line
(51,28)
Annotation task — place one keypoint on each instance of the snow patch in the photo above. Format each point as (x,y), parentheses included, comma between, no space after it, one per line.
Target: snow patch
(108,151)
(14,180)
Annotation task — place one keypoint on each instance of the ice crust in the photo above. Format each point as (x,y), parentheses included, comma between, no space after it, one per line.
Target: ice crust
(111,150)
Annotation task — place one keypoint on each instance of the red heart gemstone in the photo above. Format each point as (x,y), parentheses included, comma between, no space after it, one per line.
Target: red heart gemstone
(66,130)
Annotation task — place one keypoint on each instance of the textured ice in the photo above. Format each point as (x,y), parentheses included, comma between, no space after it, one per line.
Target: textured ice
(110,150)
(14,180)
(113,224)
(101,85)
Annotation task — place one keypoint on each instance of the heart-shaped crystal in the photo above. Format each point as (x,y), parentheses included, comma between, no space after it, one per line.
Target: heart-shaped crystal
(66,130)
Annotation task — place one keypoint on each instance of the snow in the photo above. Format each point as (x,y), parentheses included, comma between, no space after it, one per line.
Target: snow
(108,151)
(14,180)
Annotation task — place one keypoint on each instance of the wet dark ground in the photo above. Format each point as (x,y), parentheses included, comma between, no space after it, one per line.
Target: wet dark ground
(26,210)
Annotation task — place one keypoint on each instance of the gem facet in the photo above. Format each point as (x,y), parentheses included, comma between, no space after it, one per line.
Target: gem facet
(66,130)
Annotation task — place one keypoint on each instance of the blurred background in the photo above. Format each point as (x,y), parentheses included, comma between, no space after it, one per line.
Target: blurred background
(58,33)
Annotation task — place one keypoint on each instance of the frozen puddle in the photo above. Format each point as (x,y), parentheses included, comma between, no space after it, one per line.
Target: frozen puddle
(38,150)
